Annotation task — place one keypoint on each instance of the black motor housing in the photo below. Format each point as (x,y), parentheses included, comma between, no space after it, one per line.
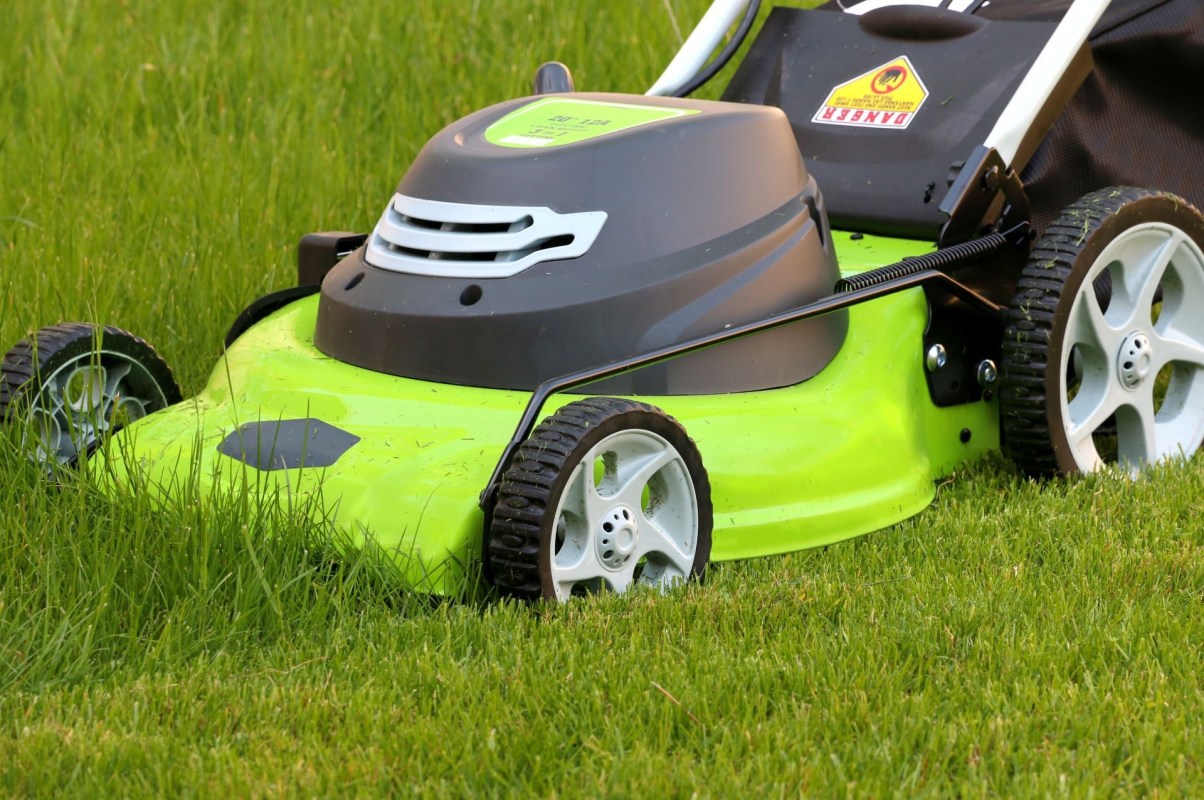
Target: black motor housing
(708,219)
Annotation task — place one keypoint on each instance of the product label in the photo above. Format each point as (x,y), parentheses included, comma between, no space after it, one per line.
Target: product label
(886,97)
(554,121)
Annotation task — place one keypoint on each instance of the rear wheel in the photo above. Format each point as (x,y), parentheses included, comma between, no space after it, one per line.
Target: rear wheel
(1103,355)
(69,385)
(606,494)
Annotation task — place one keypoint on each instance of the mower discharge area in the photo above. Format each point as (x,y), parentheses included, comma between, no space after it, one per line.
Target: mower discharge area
(598,341)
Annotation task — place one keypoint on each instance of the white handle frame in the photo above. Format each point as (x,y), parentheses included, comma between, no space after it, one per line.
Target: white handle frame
(1038,85)
(702,41)
(853,7)
(1018,116)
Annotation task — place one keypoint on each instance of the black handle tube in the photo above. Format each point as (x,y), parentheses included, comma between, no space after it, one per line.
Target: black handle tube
(826,305)
(553,78)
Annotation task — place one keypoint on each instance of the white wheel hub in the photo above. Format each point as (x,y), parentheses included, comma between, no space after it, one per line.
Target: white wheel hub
(1139,361)
(616,537)
(1134,360)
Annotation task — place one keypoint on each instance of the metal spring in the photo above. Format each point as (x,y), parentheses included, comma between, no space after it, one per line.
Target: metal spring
(954,255)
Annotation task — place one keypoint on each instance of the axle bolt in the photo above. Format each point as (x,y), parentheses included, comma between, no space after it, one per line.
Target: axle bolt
(987,373)
(936,357)
(991,179)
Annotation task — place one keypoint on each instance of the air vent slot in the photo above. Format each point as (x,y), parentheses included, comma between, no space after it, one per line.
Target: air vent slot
(428,237)
(467,227)
(512,255)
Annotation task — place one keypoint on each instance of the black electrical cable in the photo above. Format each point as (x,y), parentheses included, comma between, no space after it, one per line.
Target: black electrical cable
(725,55)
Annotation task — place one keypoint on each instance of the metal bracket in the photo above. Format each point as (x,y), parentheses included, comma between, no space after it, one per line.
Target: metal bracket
(964,340)
(986,196)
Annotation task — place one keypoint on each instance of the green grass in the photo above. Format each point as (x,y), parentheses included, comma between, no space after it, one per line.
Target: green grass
(159,161)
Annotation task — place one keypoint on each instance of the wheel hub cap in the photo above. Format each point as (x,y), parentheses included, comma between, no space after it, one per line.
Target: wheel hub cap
(1133,361)
(616,536)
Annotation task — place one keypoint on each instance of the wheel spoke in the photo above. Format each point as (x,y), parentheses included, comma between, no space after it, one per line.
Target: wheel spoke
(655,539)
(575,559)
(635,474)
(116,375)
(1180,422)
(51,398)
(1087,324)
(113,398)
(1169,350)
(44,430)
(1183,295)
(1090,408)
(581,498)
(1155,268)
(1136,431)
(83,388)
(1143,258)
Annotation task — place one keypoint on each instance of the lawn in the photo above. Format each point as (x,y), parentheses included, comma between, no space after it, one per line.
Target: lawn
(159,162)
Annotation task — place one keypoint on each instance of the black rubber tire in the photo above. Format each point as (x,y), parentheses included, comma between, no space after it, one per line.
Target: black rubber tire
(1034,336)
(521,528)
(33,360)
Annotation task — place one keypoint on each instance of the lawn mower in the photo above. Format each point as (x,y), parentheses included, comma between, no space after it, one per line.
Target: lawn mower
(597,341)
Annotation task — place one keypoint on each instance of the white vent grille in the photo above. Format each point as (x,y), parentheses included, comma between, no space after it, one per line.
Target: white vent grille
(457,240)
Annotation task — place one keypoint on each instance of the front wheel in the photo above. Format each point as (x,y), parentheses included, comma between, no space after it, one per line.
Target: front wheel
(69,385)
(605,495)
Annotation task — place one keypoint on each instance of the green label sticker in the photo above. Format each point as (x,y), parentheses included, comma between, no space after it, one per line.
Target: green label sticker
(554,121)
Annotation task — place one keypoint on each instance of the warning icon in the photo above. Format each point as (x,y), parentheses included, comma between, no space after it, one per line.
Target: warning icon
(886,97)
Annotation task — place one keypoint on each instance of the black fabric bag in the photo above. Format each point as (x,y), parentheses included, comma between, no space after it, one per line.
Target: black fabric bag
(1138,120)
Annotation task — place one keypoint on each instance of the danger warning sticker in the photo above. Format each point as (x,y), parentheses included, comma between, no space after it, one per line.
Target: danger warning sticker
(886,97)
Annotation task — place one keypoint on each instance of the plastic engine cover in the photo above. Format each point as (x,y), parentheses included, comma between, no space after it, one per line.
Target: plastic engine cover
(547,235)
